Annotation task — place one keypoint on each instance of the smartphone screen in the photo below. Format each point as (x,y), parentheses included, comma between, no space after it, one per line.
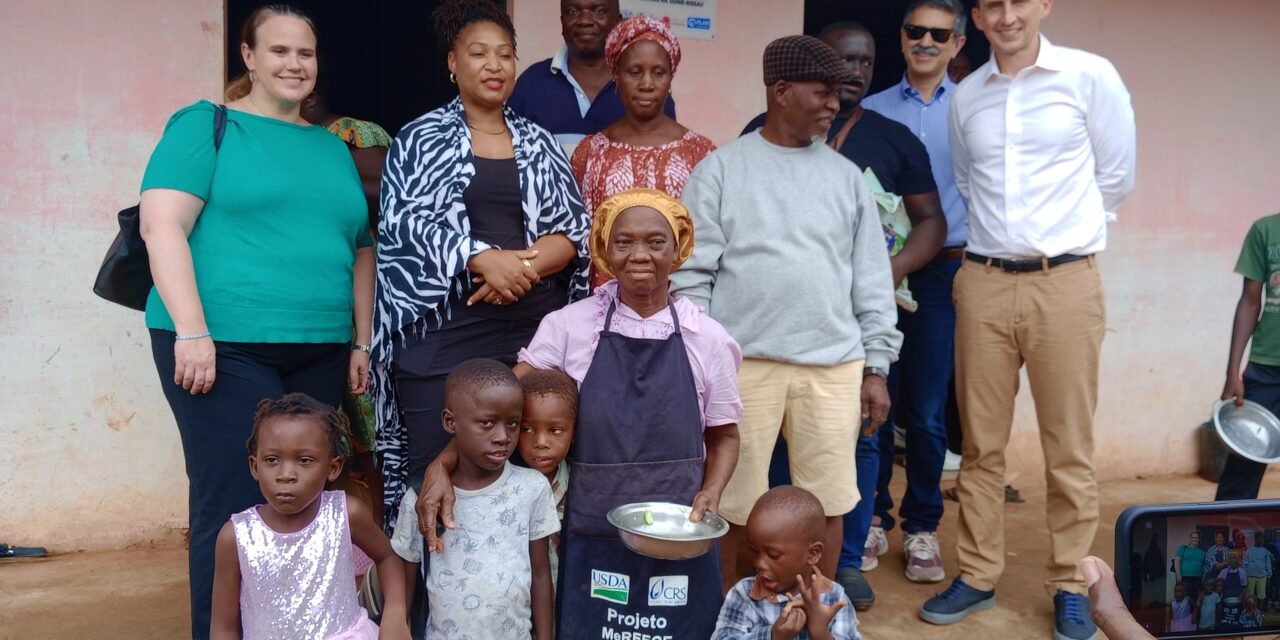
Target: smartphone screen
(1212,572)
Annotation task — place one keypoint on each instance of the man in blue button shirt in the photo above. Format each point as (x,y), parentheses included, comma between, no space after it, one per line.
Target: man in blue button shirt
(572,94)
(932,34)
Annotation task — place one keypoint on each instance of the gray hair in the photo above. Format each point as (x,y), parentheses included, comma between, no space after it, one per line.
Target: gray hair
(953,7)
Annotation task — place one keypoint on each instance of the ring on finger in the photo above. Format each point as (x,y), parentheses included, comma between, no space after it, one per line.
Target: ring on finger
(525,262)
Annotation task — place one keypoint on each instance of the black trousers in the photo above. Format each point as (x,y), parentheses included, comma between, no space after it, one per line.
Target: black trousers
(1241,477)
(420,371)
(215,426)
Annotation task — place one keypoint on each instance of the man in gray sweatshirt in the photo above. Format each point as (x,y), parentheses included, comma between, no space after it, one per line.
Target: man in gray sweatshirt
(790,258)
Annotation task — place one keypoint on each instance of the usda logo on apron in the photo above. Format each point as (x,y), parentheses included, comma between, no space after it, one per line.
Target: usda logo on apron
(613,587)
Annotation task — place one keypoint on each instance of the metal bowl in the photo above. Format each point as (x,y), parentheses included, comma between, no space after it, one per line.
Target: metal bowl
(1251,431)
(670,535)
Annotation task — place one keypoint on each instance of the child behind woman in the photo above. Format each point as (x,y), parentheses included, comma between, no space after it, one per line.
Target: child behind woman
(788,597)
(283,569)
(546,431)
(492,579)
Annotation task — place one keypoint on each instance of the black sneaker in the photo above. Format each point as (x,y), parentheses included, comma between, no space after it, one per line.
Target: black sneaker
(956,603)
(1071,619)
(857,588)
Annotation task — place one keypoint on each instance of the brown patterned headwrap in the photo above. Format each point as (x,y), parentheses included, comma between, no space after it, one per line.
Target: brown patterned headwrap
(673,210)
(632,30)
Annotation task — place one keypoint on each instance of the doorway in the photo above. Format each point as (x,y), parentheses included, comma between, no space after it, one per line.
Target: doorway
(884,19)
(379,61)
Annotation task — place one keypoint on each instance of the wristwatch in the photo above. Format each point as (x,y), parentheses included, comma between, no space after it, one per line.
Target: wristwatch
(356,346)
(875,371)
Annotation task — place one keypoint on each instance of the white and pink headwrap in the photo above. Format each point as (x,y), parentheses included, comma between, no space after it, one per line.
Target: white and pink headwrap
(638,28)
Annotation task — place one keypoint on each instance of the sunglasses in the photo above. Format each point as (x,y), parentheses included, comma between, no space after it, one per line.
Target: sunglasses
(916,32)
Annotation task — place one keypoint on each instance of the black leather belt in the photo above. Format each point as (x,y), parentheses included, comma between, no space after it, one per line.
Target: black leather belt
(1016,266)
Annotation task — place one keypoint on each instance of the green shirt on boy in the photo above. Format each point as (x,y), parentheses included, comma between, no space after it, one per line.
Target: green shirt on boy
(1260,261)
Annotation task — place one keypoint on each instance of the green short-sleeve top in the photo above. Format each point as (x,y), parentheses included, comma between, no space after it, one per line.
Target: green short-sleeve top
(274,247)
(1260,261)
(1192,560)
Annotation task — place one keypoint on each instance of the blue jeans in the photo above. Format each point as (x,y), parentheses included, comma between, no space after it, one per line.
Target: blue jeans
(919,385)
(1242,478)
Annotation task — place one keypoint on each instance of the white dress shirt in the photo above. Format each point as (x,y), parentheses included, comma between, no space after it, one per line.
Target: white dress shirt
(1045,156)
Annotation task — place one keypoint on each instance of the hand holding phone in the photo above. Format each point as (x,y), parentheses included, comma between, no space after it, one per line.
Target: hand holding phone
(1196,570)
(1109,610)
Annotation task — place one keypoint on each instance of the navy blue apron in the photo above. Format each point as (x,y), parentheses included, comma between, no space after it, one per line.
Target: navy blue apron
(638,439)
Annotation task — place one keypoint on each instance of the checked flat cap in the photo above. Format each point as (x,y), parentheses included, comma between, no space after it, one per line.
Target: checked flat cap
(802,58)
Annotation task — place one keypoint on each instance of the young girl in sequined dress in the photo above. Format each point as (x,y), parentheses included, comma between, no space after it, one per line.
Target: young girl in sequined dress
(283,568)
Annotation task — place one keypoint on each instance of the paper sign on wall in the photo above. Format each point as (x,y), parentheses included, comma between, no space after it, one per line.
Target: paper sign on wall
(688,18)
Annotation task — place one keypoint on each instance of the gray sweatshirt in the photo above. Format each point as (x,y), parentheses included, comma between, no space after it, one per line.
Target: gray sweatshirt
(789,255)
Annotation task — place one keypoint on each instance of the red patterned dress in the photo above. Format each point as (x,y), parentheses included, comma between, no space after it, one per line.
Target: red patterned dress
(604,167)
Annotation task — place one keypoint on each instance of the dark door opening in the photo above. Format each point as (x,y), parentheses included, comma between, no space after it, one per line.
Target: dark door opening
(379,61)
(884,19)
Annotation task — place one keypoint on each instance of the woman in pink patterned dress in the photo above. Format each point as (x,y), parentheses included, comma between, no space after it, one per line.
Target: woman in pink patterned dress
(646,148)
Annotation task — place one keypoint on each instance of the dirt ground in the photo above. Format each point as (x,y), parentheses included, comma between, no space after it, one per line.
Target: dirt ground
(142,594)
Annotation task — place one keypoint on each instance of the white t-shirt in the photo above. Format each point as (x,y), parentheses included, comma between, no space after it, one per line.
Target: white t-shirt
(406,540)
(479,586)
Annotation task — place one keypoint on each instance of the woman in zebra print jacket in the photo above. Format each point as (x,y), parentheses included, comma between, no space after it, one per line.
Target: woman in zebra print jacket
(482,234)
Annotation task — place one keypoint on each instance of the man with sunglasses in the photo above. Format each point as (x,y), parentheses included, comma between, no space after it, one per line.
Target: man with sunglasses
(931,35)
(572,94)
(1043,146)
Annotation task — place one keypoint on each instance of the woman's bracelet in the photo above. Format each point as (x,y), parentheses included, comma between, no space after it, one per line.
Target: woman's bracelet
(194,336)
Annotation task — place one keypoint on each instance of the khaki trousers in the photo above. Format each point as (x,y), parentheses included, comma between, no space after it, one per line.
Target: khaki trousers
(1052,321)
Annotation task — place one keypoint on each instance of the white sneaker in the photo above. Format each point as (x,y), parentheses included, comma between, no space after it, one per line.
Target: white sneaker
(877,545)
(924,557)
(951,463)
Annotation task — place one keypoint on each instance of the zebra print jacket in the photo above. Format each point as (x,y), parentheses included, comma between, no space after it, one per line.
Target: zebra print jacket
(424,243)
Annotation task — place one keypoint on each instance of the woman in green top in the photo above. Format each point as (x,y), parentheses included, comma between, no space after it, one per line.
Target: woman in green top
(262,258)
(1188,565)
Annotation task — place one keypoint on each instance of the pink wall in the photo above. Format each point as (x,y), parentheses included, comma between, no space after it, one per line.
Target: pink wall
(1208,148)
(90,456)
(720,84)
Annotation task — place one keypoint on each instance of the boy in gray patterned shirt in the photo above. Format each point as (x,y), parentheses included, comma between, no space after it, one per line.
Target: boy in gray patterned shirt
(493,578)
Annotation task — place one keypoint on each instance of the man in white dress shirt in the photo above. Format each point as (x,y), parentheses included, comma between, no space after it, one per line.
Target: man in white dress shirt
(1043,145)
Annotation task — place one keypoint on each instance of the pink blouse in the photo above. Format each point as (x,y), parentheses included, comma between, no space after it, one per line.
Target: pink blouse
(566,341)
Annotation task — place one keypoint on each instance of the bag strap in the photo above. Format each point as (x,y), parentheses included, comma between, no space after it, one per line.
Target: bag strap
(838,141)
(219,125)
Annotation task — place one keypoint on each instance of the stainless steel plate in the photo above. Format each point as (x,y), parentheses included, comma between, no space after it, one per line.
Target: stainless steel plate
(669,535)
(1251,430)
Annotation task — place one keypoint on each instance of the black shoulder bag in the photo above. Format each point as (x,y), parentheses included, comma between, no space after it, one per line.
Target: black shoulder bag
(125,275)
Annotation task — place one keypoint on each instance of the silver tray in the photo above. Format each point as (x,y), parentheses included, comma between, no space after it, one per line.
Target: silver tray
(1251,431)
(671,536)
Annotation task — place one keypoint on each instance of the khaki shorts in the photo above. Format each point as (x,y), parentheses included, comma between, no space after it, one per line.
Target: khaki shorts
(818,410)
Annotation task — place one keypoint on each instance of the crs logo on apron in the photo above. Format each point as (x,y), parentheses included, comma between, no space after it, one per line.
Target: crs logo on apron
(612,587)
(668,591)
